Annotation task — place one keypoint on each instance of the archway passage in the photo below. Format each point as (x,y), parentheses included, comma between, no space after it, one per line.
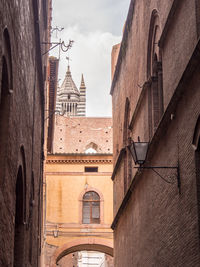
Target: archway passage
(87,258)
(89,244)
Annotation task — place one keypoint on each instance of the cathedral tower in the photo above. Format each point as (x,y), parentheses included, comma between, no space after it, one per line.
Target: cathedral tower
(70,101)
(81,105)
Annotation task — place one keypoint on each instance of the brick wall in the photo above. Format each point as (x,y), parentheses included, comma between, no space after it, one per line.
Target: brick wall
(154,225)
(21,123)
(75,135)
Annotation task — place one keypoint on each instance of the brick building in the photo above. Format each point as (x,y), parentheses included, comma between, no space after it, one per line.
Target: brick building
(155,93)
(24,25)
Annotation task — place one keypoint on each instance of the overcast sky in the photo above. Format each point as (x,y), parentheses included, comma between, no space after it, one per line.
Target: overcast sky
(95,26)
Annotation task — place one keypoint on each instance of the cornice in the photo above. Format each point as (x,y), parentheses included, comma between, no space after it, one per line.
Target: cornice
(64,161)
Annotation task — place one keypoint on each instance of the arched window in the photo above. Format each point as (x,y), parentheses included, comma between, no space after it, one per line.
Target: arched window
(154,74)
(91,148)
(5,97)
(91,208)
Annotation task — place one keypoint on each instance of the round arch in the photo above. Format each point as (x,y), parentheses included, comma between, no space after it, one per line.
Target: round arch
(90,188)
(80,199)
(89,244)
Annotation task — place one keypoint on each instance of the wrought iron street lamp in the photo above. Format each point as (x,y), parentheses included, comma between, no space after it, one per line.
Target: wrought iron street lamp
(139,151)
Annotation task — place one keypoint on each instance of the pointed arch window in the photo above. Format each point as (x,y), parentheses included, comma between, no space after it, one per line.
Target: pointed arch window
(6,89)
(154,74)
(91,208)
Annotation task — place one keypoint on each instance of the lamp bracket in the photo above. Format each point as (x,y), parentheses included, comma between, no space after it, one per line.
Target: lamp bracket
(153,168)
(61,113)
(62,45)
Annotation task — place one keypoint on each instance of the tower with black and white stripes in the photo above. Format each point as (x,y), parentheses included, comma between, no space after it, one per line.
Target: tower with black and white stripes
(82,102)
(70,101)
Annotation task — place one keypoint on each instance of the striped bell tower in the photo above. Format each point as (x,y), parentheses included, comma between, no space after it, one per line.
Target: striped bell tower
(82,101)
(70,101)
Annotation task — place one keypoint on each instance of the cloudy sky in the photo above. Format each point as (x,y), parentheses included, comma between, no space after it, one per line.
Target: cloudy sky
(95,26)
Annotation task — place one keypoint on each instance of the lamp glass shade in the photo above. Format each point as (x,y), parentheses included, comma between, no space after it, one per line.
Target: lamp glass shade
(139,151)
(133,152)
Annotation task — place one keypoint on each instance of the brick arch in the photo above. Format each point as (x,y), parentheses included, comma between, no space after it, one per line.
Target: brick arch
(87,189)
(154,22)
(89,244)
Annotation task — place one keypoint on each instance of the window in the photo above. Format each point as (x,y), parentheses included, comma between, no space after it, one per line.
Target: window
(91,148)
(6,89)
(154,74)
(91,169)
(91,208)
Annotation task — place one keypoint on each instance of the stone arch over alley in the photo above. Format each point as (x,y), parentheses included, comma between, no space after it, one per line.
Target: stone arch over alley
(89,244)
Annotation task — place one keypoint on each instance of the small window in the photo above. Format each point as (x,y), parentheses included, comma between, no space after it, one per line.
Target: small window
(91,169)
(91,208)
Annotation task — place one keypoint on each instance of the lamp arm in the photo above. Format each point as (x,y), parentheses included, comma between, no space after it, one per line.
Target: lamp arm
(167,181)
(164,167)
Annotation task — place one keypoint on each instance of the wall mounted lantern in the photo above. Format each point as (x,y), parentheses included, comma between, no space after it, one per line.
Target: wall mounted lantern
(55,233)
(139,151)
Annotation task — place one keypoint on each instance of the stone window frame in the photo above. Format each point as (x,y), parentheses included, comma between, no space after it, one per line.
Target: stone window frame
(88,189)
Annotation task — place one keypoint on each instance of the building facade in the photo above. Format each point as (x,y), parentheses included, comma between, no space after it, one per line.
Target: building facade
(78,193)
(24,27)
(155,93)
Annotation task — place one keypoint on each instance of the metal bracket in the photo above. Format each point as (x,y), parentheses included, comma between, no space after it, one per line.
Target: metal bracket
(153,168)
(62,45)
